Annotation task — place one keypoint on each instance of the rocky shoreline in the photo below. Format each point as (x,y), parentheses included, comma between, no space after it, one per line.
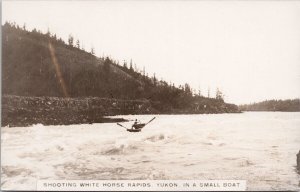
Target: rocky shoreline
(20,111)
(25,111)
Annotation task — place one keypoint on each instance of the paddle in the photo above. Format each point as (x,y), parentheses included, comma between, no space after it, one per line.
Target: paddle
(121,125)
(150,120)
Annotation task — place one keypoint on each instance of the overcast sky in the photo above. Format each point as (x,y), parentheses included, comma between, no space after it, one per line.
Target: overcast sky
(250,50)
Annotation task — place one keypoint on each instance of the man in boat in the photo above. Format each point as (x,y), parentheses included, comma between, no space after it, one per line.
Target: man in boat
(135,124)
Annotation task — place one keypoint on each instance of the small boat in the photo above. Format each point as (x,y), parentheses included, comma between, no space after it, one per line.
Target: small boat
(139,125)
(134,130)
(136,127)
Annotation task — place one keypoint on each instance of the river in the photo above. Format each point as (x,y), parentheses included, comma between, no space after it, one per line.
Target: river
(259,147)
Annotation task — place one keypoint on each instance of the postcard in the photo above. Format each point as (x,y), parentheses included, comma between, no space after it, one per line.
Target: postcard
(150,95)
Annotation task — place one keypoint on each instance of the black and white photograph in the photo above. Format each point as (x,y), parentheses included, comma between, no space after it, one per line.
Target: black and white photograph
(151,90)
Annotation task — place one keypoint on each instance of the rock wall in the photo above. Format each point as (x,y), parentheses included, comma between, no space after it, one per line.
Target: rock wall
(25,111)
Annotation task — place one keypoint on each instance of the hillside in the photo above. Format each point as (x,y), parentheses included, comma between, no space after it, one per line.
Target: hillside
(29,70)
(290,105)
(41,65)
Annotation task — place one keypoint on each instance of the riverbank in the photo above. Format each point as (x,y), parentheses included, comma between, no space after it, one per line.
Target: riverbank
(20,111)
(25,111)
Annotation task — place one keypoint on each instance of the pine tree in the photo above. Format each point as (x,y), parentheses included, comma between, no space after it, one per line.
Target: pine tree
(71,40)
(187,89)
(135,68)
(78,44)
(154,79)
(106,68)
(208,92)
(92,51)
(48,32)
(125,65)
(199,92)
(219,94)
(131,68)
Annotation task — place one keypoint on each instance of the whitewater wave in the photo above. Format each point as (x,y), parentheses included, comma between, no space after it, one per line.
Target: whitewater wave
(231,146)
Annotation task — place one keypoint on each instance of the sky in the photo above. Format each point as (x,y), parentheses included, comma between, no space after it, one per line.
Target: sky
(250,50)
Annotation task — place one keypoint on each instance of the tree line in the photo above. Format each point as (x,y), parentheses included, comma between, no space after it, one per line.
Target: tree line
(273,105)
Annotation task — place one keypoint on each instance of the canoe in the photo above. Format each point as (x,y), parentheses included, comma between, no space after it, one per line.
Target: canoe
(134,130)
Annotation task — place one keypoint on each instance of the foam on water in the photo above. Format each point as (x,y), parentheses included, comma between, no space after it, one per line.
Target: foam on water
(257,147)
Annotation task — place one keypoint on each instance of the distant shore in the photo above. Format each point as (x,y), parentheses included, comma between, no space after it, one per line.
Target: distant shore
(288,105)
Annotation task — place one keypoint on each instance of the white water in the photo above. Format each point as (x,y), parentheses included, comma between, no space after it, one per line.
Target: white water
(258,147)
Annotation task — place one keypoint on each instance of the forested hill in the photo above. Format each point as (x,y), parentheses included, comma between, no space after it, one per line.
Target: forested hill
(273,105)
(37,64)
